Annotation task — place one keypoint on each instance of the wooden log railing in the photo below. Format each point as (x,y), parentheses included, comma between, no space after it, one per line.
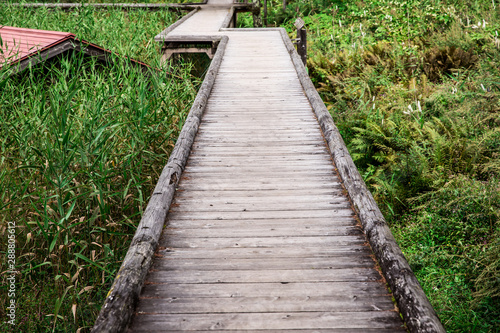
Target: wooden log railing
(301,40)
(120,303)
(417,311)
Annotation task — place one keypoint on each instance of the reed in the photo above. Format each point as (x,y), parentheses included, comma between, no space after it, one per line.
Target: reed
(82,144)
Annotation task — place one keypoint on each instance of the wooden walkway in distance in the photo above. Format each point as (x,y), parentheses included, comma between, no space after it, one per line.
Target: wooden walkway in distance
(261,236)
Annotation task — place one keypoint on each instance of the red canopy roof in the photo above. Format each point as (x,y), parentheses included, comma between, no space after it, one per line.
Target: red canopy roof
(19,43)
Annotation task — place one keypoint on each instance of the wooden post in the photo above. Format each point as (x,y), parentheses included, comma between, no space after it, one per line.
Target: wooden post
(234,20)
(257,20)
(301,40)
(265,13)
(284,5)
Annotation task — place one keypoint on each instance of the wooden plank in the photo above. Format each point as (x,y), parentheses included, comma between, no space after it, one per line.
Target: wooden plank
(245,321)
(259,160)
(237,230)
(248,215)
(210,207)
(235,142)
(298,168)
(274,252)
(334,303)
(269,179)
(263,150)
(298,200)
(167,263)
(329,330)
(265,276)
(305,223)
(257,194)
(352,289)
(299,196)
(310,241)
(250,186)
(326,224)
(238,168)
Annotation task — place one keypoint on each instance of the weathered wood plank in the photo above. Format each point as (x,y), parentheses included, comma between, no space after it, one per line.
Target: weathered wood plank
(265,276)
(258,170)
(303,182)
(258,194)
(334,303)
(312,224)
(274,252)
(203,160)
(287,198)
(249,230)
(248,215)
(306,241)
(167,263)
(245,321)
(251,186)
(258,207)
(349,289)
(317,330)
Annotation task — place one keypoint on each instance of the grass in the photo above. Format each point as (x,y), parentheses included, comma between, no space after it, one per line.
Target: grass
(414,88)
(82,145)
(110,1)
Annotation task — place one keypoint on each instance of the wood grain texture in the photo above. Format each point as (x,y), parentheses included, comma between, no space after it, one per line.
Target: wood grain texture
(260,213)
(270,320)
(261,235)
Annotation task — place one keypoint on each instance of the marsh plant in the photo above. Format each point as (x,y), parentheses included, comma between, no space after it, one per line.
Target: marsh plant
(82,144)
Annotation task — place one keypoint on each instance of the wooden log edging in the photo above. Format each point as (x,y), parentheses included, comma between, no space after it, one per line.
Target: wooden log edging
(162,35)
(413,304)
(120,303)
(229,17)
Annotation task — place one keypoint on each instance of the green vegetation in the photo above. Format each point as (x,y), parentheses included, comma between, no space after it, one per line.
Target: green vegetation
(81,147)
(414,87)
(108,1)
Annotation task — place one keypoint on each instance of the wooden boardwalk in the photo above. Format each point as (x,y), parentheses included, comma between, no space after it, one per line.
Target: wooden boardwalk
(267,220)
(261,236)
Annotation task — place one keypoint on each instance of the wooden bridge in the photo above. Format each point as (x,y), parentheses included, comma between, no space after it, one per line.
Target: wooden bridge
(265,223)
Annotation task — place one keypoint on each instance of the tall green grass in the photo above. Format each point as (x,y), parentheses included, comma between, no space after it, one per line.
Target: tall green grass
(414,87)
(107,1)
(81,147)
